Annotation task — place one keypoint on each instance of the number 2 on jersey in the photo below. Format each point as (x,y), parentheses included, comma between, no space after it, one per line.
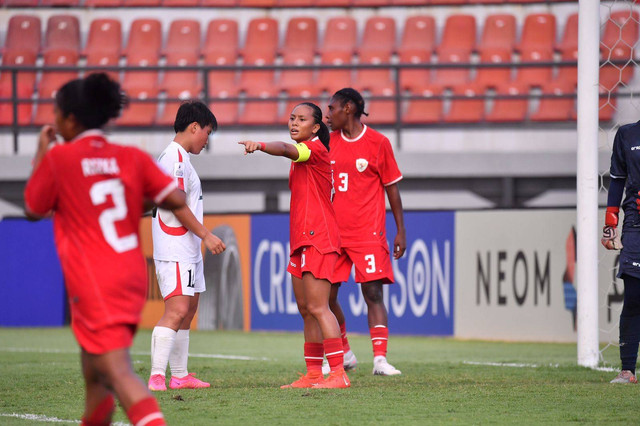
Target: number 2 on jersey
(99,192)
(344,182)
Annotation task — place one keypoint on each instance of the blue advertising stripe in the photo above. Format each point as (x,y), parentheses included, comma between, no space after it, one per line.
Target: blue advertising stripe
(32,284)
(421,301)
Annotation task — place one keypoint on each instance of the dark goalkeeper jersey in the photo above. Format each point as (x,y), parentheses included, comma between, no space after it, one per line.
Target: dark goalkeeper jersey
(625,164)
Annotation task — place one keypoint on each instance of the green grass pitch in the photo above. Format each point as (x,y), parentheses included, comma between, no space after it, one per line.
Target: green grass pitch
(443,381)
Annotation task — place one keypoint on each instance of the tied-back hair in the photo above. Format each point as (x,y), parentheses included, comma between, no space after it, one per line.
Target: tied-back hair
(351,95)
(93,100)
(323,133)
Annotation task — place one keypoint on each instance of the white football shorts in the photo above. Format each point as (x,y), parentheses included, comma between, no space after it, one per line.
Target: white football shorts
(179,278)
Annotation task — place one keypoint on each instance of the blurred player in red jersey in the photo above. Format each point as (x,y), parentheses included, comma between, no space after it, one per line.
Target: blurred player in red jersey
(177,254)
(364,168)
(315,242)
(97,192)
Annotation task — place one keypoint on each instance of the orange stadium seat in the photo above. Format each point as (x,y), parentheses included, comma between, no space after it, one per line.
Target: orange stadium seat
(226,112)
(496,46)
(299,48)
(607,106)
(141,3)
(184,36)
(369,3)
(381,111)
(25,79)
(458,41)
(377,46)
(337,48)
(52,80)
(509,110)
(422,111)
(63,32)
(536,45)
(309,95)
(21,3)
(469,110)
(218,3)
(143,49)
(103,3)
(183,49)
(23,34)
(296,3)
(221,48)
(259,112)
(104,44)
(568,49)
(56,3)
(180,3)
(170,108)
(555,109)
(417,45)
(257,3)
(260,49)
(333,3)
(139,113)
(617,44)
(24,109)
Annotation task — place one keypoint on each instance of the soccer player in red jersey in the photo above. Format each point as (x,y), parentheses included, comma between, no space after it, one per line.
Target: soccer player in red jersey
(315,242)
(97,192)
(365,168)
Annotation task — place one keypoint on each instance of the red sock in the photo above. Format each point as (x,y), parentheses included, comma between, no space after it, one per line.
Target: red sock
(313,354)
(101,416)
(345,341)
(146,412)
(379,338)
(334,352)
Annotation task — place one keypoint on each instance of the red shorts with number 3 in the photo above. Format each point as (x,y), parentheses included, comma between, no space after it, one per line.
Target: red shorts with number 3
(309,259)
(373,263)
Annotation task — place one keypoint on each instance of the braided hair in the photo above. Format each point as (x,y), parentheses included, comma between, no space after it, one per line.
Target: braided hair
(323,133)
(351,95)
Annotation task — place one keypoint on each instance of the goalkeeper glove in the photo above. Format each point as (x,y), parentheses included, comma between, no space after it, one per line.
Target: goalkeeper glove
(609,232)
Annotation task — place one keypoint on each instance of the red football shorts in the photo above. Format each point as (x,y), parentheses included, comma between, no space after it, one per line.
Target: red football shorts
(373,263)
(105,339)
(309,259)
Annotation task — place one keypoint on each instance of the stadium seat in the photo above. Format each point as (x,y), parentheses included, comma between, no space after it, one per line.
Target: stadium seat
(458,41)
(369,3)
(226,112)
(337,48)
(299,48)
(103,3)
(496,46)
(568,49)
(140,3)
(57,3)
(51,81)
(24,109)
(617,44)
(332,3)
(21,3)
(25,79)
(377,46)
(424,111)
(260,49)
(104,44)
(537,45)
(469,110)
(218,3)
(171,107)
(221,48)
(309,95)
(417,45)
(23,34)
(63,32)
(259,112)
(257,3)
(139,113)
(509,110)
(555,109)
(296,3)
(182,49)
(143,49)
(607,106)
(381,111)
(180,3)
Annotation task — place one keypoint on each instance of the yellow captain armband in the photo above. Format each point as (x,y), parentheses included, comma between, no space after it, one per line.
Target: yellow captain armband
(303,153)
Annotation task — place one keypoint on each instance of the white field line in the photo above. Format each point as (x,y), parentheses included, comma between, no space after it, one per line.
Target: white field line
(67,351)
(47,419)
(524,365)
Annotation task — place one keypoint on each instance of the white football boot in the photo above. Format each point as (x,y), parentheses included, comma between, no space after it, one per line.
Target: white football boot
(382,368)
(350,362)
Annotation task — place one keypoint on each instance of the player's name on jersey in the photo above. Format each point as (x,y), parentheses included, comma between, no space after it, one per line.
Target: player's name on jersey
(100,166)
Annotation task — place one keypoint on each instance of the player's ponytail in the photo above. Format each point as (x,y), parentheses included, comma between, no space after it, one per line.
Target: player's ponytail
(323,132)
(351,95)
(92,100)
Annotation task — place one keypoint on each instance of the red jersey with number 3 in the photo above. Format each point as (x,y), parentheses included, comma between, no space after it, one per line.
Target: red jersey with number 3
(312,219)
(96,190)
(362,167)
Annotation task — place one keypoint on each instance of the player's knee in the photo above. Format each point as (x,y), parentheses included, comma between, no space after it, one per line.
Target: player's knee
(373,294)
(317,309)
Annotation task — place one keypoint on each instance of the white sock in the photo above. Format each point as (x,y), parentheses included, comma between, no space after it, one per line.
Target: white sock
(180,354)
(162,342)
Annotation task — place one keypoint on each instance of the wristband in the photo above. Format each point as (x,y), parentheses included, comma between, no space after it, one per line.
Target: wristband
(262,146)
(611,216)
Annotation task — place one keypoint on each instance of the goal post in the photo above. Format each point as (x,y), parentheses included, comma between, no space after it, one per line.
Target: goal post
(587,182)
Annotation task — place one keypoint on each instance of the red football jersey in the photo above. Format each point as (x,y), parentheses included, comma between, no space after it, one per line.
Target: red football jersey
(96,190)
(312,220)
(362,167)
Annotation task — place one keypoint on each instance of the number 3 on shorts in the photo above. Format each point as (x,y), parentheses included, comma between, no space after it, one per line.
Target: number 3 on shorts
(371,261)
